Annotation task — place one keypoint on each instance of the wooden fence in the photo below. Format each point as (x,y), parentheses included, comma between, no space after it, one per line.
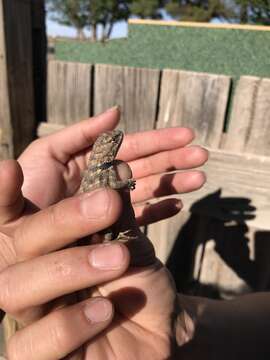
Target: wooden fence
(220,244)
(22,73)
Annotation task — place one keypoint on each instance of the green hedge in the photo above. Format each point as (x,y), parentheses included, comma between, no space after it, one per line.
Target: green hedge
(231,52)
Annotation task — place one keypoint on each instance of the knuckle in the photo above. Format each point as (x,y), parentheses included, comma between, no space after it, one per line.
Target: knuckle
(147,166)
(7,299)
(59,336)
(56,214)
(134,146)
(21,346)
(60,267)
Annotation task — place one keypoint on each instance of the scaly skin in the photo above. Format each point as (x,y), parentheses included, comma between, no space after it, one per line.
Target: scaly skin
(102,172)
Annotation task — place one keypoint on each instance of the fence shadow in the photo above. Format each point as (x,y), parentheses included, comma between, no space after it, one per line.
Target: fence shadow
(225,224)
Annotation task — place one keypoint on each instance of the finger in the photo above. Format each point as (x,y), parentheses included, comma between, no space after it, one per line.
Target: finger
(75,138)
(168,184)
(62,331)
(59,225)
(184,158)
(11,198)
(146,143)
(35,282)
(150,213)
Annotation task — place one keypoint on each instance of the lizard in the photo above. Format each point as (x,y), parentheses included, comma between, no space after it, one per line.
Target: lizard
(102,172)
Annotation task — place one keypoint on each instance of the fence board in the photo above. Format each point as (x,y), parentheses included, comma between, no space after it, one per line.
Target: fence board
(244,192)
(134,89)
(198,101)
(5,116)
(195,100)
(39,58)
(213,232)
(17,74)
(69,92)
(249,126)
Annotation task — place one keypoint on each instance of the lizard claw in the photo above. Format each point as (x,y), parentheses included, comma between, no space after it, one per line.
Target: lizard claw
(131,184)
(124,236)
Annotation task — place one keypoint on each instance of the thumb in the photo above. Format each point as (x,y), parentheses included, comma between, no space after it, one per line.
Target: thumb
(140,247)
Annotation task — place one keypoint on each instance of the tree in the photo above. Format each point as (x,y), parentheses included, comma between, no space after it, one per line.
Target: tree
(107,13)
(70,13)
(241,11)
(254,11)
(199,10)
(146,9)
(90,13)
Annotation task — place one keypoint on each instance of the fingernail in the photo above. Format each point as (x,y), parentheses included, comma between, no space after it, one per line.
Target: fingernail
(114,108)
(107,257)
(98,310)
(95,204)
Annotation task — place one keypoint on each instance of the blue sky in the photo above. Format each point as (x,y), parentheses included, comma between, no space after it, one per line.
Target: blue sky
(120,29)
(54,29)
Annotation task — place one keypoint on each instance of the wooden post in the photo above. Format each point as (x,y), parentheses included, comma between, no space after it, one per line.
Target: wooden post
(39,41)
(17,110)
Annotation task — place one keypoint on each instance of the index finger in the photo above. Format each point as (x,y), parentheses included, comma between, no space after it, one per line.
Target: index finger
(78,137)
(145,143)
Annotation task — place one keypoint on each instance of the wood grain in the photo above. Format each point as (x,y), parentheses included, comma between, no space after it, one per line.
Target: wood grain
(134,89)
(5,115)
(249,126)
(17,73)
(195,100)
(69,92)
(233,175)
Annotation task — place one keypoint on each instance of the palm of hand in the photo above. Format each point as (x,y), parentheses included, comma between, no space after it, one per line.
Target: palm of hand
(144,302)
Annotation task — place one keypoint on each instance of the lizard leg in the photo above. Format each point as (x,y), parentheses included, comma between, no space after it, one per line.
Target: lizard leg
(115,183)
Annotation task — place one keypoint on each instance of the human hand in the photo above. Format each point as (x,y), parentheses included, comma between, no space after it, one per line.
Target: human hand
(67,182)
(38,284)
(40,274)
(53,165)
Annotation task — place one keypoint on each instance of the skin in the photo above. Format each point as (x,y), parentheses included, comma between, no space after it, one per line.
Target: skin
(42,271)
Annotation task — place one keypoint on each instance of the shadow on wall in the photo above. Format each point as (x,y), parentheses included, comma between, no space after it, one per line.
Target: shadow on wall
(225,225)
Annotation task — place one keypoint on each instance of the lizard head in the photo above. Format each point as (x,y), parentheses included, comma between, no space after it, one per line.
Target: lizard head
(108,144)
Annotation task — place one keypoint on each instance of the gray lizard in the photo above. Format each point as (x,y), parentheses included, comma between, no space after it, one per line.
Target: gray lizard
(102,172)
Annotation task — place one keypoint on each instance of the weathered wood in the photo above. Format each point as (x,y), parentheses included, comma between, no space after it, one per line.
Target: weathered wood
(225,207)
(39,58)
(17,75)
(249,126)
(195,100)
(245,192)
(198,101)
(134,89)
(69,92)
(234,174)
(5,115)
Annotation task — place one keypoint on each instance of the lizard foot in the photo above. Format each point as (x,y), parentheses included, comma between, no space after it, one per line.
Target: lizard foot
(124,236)
(131,184)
